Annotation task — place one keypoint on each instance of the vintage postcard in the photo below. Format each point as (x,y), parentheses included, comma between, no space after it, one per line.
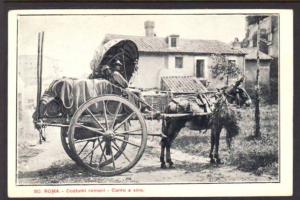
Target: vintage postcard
(150,103)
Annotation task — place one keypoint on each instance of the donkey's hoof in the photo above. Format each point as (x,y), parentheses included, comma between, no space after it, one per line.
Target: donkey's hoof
(163,166)
(212,161)
(219,162)
(171,166)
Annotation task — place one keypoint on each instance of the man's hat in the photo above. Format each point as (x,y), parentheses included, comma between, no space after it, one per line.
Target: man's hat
(118,63)
(104,67)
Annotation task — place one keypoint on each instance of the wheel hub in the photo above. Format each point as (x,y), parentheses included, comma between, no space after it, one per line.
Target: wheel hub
(108,134)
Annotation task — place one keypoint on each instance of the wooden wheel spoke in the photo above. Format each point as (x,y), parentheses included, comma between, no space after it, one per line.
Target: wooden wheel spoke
(90,128)
(122,152)
(101,157)
(102,149)
(129,132)
(116,114)
(83,147)
(87,139)
(105,115)
(113,158)
(128,142)
(96,120)
(122,135)
(125,120)
(90,152)
(92,155)
(115,148)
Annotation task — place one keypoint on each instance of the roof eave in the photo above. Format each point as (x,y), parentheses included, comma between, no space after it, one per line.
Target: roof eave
(195,53)
(259,59)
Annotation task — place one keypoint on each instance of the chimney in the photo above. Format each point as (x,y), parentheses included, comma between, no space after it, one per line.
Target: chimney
(149,28)
(236,44)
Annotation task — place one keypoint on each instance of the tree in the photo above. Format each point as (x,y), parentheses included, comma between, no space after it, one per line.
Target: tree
(223,68)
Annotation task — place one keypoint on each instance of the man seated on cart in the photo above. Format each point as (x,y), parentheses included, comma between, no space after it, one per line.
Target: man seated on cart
(113,74)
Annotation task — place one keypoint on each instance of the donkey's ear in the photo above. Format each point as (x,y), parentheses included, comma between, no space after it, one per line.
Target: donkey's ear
(238,82)
(242,79)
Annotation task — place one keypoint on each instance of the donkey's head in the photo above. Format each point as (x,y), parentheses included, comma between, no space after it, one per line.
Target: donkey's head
(236,94)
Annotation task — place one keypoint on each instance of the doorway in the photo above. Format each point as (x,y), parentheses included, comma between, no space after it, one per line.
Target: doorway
(200,68)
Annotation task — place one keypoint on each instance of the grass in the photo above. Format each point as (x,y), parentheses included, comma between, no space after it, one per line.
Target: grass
(257,155)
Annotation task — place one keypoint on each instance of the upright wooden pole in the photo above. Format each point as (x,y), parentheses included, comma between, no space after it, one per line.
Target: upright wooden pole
(41,59)
(257,87)
(39,71)
(39,85)
(38,97)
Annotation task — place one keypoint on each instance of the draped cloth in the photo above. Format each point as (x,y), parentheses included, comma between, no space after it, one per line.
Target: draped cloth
(70,93)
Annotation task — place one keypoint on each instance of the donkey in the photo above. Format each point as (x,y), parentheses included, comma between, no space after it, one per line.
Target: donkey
(220,117)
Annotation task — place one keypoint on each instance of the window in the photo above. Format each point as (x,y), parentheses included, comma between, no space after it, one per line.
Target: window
(173,42)
(178,62)
(263,34)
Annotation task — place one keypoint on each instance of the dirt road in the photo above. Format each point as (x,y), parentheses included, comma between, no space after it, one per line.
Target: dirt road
(48,164)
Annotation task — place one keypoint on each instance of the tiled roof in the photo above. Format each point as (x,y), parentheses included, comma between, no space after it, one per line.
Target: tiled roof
(159,44)
(252,54)
(183,84)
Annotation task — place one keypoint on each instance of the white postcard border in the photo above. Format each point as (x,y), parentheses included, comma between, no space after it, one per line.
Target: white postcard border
(283,188)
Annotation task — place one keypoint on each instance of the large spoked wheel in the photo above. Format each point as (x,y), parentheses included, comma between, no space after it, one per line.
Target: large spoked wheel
(107,143)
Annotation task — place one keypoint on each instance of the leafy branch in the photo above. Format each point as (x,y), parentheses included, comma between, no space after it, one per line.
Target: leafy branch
(223,68)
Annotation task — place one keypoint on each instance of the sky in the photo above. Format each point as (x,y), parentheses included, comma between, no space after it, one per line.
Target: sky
(73,39)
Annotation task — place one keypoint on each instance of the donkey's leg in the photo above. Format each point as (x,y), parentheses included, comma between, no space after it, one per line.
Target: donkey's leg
(168,149)
(217,140)
(175,129)
(228,140)
(163,142)
(162,153)
(168,156)
(212,144)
